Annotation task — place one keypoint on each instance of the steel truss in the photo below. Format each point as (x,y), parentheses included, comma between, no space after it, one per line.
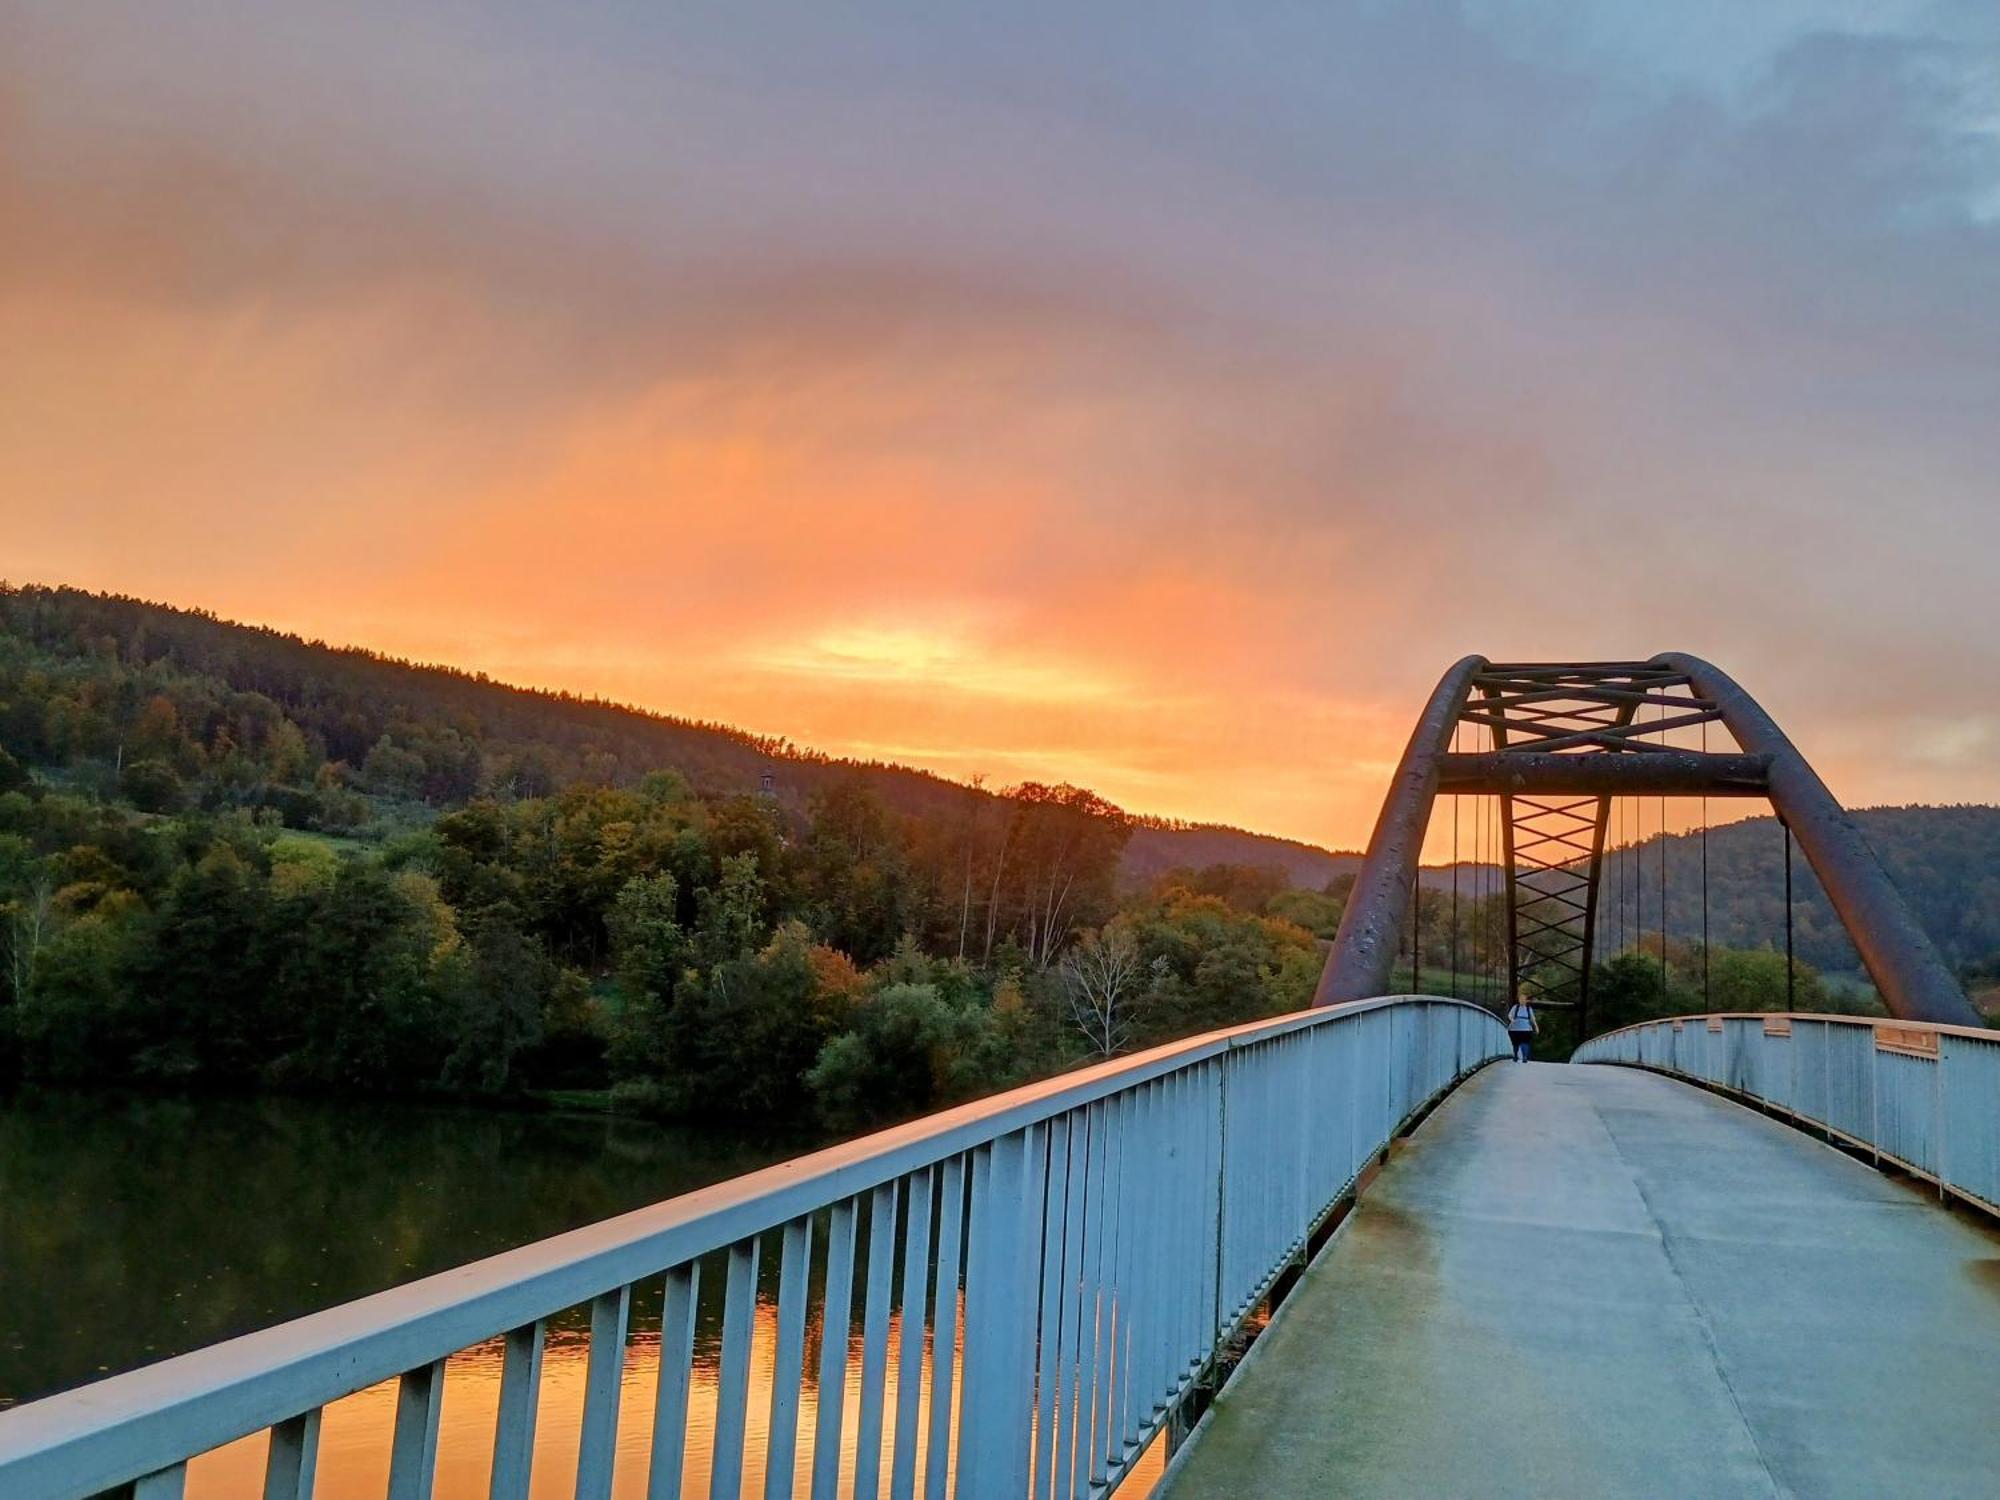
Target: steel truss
(1553,849)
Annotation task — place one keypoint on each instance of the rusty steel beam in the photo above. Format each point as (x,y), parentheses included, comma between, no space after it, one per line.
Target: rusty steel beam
(1915,983)
(1364,948)
(1673,773)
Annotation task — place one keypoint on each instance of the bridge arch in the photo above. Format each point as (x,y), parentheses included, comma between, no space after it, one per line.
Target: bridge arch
(1573,730)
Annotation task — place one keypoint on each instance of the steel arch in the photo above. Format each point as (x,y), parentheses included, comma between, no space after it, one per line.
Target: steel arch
(1567,737)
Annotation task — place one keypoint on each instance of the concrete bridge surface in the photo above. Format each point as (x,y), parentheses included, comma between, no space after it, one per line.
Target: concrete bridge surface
(1594,1282)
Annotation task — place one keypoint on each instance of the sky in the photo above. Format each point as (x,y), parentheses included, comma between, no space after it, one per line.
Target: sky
(1155,396)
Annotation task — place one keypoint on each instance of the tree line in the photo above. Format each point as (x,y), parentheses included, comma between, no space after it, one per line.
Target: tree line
(215,873)
(230,858)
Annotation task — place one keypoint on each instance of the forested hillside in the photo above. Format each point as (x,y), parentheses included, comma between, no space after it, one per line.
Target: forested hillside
(230,858)
(233,859)
(1946,861)
(176,708)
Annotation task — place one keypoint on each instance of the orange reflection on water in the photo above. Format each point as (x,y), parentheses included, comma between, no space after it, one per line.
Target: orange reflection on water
(356,1431)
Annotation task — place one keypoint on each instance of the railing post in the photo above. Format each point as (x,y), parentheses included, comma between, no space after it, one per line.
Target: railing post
(294,1453)
(514,1425)
(610,1315)
(999,1304)
(679,1296)
(413,1450)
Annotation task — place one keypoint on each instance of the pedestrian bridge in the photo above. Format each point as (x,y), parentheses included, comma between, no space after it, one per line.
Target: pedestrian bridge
(1591,1280)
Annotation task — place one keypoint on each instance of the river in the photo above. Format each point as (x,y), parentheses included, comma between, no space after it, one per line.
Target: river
(137,1227)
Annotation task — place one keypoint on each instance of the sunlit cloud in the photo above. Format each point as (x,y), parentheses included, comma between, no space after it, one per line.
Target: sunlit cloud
(937,661)
(1150,398)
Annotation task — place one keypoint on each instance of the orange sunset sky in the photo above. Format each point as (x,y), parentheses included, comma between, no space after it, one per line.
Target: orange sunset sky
(1157,398)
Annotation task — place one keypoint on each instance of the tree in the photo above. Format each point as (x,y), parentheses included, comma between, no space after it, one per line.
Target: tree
(1103,979)
(13,775)
(499,1006)
(1057,866)
(1754,980)
(909,1050)
(649,950)
(28,921)
(152,786)
(854,874)
(1625,990)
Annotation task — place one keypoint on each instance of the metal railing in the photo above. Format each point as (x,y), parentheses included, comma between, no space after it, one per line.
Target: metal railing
(1921,1097)
(1070,1256)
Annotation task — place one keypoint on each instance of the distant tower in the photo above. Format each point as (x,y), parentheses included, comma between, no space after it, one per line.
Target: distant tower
(767,784)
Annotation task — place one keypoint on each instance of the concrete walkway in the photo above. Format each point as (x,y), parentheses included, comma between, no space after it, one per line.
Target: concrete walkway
(1594,1282)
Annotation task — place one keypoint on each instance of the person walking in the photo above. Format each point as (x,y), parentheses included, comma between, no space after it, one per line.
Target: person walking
(1522,1025)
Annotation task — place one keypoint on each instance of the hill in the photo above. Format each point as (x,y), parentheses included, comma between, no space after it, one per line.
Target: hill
(232,858)
(408,737)
(1945,860)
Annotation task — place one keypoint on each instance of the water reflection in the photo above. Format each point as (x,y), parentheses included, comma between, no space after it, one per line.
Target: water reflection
(132,1228)
(355,1436)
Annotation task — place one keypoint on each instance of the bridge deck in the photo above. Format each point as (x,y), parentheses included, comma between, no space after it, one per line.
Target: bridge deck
(1595,1282)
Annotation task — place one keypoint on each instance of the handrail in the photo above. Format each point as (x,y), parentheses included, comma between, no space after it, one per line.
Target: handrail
(1923,1096)
(1942,1028)
(1252,1117)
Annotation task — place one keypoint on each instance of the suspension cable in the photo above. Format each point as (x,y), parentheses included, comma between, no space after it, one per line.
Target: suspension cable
(1618,871)
(1704,883)
(1663,896)
(1491,813)
(1454,878)
(1416,916)
(1478,893)
(1639,875)
(1790,967)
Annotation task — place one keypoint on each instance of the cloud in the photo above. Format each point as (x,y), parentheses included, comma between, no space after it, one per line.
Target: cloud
(1156,396)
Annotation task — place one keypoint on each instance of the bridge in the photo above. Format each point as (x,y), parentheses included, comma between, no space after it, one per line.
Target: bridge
(1331,1252)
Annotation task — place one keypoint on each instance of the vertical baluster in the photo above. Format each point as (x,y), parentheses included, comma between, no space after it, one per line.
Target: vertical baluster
(1137,1302)
(1047,1352)
(514,1428)
(293,1457)
(1160,1235)
(1053,1475)
(413,1450)
(1199,1237)
(1092,1305)
(1031,1235)
(1131,1277)
(169,1483)
(1175,1235)
(910,1351)
(1213,1200)
(732,1379)
(670,1408)
(836,1314)
(994,1296)
(597,1446)
(875,1341)
(788,1361)
(1176,1232)
(944,1335)
(1111,1290)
